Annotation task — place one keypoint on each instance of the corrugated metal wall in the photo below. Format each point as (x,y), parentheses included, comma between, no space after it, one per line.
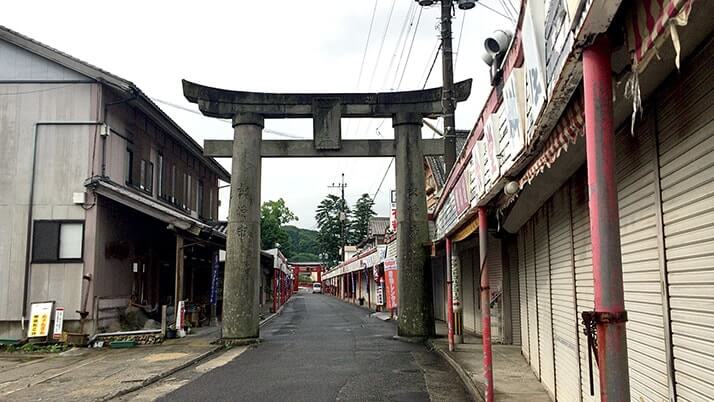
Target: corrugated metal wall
(582,264)
(565,326)
(468,289)
(512,253)
(438,276)
(685,120)
(523,294)
(533,316)
(542,271)
(640,262)
(495,282)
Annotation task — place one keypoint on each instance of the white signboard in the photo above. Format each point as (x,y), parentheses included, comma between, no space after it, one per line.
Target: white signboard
(533,52)
(513,111)
(380,294)
(489,134)
(40,316)
(59,321)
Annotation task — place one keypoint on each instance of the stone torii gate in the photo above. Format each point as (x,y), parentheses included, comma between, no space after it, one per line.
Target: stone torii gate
(248,111)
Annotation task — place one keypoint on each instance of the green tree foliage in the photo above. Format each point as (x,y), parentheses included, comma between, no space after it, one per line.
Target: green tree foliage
(303,243)
(328,222)
(359,225)
(273,215)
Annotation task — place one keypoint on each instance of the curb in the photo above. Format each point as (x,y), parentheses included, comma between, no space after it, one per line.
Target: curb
(470,385)
(157,377)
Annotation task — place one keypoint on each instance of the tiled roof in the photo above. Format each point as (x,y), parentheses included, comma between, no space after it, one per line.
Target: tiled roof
(377,226)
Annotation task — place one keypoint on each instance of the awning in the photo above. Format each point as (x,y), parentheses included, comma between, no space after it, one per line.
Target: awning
(466,230)
(153,208)
(566,132)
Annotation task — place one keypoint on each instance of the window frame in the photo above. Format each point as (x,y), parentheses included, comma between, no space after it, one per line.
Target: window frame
(129,168)
(160,175)
(57,260)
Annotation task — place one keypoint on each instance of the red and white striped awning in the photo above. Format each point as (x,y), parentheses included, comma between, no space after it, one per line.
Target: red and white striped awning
(649,23)
(566,132)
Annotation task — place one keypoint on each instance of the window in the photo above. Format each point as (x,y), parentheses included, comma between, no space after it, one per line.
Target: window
(146,177)
(187,189)
(57,241)
(160,176)
(199,198)
(173,184)
(210,205)
(129,165)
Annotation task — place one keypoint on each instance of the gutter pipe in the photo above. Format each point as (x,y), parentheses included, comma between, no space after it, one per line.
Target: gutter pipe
(31,197)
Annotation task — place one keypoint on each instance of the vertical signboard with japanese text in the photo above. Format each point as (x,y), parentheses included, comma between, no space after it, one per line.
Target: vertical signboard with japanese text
(391,282)
(513,111)
(490,137)
(533,60)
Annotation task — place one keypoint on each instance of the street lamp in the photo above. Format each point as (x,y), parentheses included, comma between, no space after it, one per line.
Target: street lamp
(447,68)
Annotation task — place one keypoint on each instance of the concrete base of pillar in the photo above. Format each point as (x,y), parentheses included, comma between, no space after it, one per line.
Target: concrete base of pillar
(238,341)
(410,339)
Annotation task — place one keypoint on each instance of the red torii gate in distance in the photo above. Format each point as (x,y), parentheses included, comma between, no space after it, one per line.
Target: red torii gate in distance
(298,267)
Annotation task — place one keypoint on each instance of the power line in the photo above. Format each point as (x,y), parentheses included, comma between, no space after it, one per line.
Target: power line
(267,130)
(391,161)
(458,45)
(481,3)
(366,45)
(436,56)
(409,53)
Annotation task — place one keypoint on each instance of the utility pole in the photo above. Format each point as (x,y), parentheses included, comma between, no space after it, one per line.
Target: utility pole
(343,214)
(447,97)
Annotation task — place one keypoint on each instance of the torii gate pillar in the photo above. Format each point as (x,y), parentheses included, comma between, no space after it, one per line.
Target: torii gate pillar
(414,313)
(242,272)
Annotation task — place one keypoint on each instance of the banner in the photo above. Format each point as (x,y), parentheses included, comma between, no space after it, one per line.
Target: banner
(391,281)
(40,315)
(380,294)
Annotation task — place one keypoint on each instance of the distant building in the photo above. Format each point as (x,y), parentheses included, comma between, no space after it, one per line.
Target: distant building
(105,199)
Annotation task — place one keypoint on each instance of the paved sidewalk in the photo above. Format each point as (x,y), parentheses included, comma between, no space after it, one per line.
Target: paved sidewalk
(512,376)
(89,374)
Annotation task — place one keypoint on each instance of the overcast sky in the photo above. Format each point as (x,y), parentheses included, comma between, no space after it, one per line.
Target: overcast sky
(272,46)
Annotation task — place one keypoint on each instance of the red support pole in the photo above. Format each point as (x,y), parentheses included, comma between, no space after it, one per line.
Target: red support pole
(449,296)
(610,315)
(485,304)
(275,290)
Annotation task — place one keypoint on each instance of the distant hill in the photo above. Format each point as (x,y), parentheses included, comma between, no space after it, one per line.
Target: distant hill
(303,244)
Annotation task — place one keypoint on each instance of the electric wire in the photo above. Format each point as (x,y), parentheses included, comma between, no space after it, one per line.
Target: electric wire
(458,44)
(366,45)
(481,3)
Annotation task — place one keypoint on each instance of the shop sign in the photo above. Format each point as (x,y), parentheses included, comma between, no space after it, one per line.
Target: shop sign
(462,201)
(40,319)
(59,322)
(491,147)
(477,178)
(391,281)
(380,294)
(180,311)
(214,280)
(512,110)
(533,53)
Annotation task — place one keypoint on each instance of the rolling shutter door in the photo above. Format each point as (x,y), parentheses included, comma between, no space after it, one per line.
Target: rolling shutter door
(532,298)
(582,262)
(686,160)
(640,263)
(495,283)
(514,283)
(562,279)
(523,294)
(545,328)
(467,287)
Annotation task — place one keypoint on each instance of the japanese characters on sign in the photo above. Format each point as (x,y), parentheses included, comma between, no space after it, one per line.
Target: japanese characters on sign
(491,148)
(59,323)
(40,316)
(391,282)
(511,111)
(533,54)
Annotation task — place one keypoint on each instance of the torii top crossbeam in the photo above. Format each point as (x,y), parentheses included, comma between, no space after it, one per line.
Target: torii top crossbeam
(223,103)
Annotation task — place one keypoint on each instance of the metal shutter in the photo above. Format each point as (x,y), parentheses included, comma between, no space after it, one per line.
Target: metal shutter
(523,294)
(565,326)
(582,252)
(545,327)
(467,289)
(495,282)
(439,287)
(514,283)
(533,321)
(686,150)
(640,263)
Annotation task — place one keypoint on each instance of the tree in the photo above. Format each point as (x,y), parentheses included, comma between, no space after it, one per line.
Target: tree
(329,238)
(359,226)
(274,214)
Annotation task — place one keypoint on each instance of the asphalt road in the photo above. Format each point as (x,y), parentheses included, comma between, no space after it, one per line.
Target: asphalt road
(322,349)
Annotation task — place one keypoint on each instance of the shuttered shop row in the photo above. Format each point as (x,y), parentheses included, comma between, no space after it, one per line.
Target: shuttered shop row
(665,186)
(686,161)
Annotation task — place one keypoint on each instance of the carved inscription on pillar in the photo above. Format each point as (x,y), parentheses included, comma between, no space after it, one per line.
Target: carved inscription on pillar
(326,123)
